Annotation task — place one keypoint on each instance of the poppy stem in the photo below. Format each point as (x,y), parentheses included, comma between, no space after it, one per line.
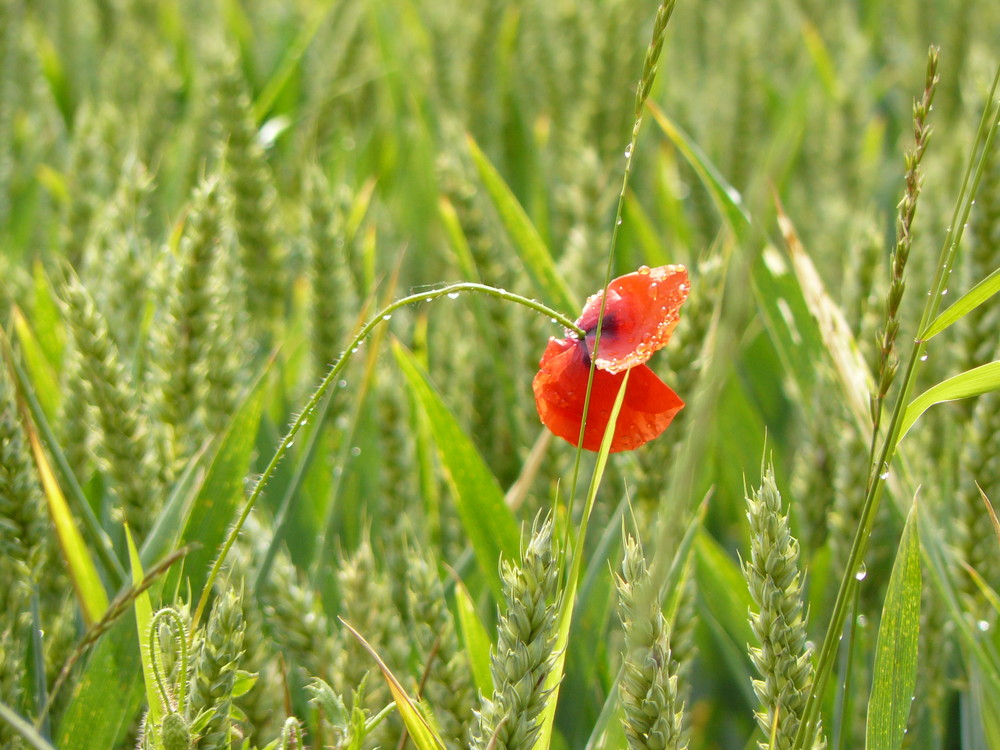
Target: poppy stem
(452,291)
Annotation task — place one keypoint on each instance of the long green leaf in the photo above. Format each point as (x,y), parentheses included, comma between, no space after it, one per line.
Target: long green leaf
(895,672)
(222,493)
(107,695)
(476,639)
(964,305)
(488,522)
(143,616)
(527,242)
(727,199)
(974,382)
(80,566)
(39,368)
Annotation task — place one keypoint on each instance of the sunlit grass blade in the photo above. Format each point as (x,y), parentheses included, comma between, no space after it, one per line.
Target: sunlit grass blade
(143,615)
(895,670)
(726,198)
(28,733)
(38,366)
(529,244)
(491,527)
(965,304)
(420,729)
(80,565)
(852,372)
(970,383)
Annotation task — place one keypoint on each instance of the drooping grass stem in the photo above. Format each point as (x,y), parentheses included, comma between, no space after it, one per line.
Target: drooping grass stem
(382,316)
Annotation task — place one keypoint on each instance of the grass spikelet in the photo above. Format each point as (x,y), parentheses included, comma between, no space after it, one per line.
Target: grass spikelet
(215,664)
(653,712)
(126,448)
(23,519)
(295,618)
(888,362)
(783,659)
(334,298)
(191,316)
(663,14)
(523,656)
(253,193)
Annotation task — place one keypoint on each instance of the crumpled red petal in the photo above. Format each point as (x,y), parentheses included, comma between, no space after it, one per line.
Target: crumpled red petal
(561,386)
(642,312)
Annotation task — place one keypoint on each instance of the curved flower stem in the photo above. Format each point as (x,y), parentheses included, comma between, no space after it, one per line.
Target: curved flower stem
(383,315)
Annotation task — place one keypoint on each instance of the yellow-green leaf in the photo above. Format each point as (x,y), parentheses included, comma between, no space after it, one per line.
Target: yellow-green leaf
(974,382)
(143,616)
(420,729)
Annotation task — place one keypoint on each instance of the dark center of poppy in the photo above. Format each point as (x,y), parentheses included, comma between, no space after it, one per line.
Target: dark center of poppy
(608,330)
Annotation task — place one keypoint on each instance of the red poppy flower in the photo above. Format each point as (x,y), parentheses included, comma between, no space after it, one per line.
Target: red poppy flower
(642,310)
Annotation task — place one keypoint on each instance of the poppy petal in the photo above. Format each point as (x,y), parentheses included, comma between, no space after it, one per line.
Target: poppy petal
(642,312)
(560,389)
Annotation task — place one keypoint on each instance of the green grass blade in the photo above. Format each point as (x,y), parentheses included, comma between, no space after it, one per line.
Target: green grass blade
(528,243)
(850,366)
(292,59)
(895,671)
(79,564)
(476,639)
(965,304)
(727,199)
(489,523)
(38,366)
(24,728)
(974,382)
(107,694)
(143,616)
(223,491)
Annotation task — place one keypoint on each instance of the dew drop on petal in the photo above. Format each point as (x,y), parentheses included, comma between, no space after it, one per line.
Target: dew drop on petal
(862,572)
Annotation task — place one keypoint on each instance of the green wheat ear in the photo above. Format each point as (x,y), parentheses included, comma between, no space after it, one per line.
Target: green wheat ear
(784,658)
(126,449)
(448,686)
(653,711)
(524,654)
(251,185)
(217,657)
(188,331)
